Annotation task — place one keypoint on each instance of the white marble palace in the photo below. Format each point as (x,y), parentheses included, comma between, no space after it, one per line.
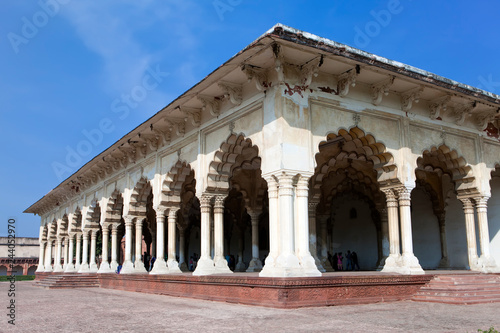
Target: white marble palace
(296,148)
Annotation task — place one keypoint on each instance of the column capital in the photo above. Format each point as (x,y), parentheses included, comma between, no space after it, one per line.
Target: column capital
(129,220)
(303,186)
(219,200)
(285,184)
(468,205)
(481,202)
(404,196)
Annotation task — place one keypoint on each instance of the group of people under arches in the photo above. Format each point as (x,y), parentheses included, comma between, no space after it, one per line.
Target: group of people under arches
(337,261)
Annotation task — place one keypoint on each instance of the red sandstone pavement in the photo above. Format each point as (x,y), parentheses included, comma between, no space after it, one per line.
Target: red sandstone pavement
(107,310)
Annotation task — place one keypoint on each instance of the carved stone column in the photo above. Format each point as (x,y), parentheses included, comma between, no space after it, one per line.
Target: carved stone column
(323,240)
(486,262)
(93,247)
(138,263)
(48,256)
(160,265)
(306,259)
(409,261)
(104,267)
(70,267)
(287,261)
(128,265)
(84,267)
(470,230)
(240,265)
(219,261)
(78,259)
(444,262)
(393,260)
(172,264)
(66,246)
(57,262)
(205,264)
(255,264)
(41,257)
(182,248)
(385,243)
(313,247)
(270,262)
(114,247)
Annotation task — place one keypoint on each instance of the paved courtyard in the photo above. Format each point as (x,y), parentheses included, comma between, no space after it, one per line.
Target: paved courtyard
(106,310)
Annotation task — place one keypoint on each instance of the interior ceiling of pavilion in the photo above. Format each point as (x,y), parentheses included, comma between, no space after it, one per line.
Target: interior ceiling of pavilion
(283,50)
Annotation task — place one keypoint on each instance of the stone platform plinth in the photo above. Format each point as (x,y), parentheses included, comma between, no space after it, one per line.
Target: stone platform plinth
(275,292)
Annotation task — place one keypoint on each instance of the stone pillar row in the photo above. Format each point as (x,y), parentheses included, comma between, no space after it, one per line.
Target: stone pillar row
(484,263)
(401,259)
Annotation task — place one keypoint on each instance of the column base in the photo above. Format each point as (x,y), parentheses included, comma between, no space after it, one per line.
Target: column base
(240,267)
(255,265)
(84,268)
(410,262)
(392,264)
(444,263)
(183,267)
(77,267)
(318,264)
(287,265)
(309,266)
(139,267)
(326,265)
(48,269)
(173,267)
(113,266)
(221,267)
(70,269)
(105,268)
(205,266)
(159,267)
(93,268)
(269,265)
(488,265)
(58,269)
(40,268)
(381,264)
(127,267)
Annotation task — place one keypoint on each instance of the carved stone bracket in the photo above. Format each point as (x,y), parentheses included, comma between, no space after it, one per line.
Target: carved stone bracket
(210,103)
(381,89)
(346,80)
(232,91)
(178,123)
(165,137)
(410,97)
(257,74)
(482,120)
(279,63)
(462,111)
(310,70)
(192,113)
(438,106)
(141,147)
(129,153)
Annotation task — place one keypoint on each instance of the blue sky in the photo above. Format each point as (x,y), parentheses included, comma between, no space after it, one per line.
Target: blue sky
(66,65)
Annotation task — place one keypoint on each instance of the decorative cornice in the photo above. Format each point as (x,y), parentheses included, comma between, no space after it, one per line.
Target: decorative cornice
(211,104)
(346,80)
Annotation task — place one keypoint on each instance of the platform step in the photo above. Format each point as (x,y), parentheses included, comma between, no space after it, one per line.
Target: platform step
(461,289)
(68,281)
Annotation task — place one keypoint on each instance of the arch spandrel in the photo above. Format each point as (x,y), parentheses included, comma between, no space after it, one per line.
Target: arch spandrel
(235,153)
